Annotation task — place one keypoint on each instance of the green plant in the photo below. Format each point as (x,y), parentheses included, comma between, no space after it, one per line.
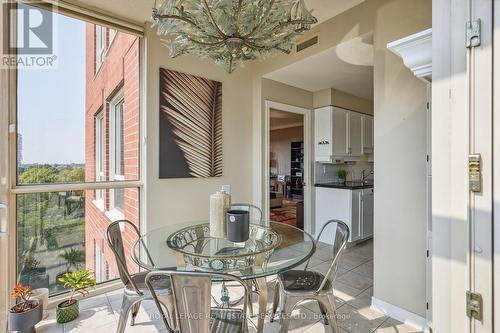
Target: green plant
(74,257)
(342,174)
(22,293)
(78,282)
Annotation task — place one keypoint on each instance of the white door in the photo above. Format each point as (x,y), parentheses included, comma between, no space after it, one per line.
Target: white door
(339,125)
(355,140)
(323,134)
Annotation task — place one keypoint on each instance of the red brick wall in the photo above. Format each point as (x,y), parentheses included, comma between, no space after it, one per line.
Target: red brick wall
(120,70)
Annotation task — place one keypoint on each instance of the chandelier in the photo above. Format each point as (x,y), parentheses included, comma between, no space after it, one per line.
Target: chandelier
(231,31)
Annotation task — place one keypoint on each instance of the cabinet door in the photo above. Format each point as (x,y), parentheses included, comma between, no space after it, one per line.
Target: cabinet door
(355,141)
(323,134)
(367,213)
(339,127)
(356,211)
(367,134)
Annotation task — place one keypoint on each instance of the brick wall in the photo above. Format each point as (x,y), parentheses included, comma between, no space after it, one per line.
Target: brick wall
(118,72)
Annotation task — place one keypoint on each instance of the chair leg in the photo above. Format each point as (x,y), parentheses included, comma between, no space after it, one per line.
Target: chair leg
(126,305)
(329,304)
(286,313)
(323,312)
(250,298)
(276,300)
(135,309)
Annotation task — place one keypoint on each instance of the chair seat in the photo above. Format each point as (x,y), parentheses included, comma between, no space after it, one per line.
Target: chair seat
(301,280)
(227,321)
(161,284)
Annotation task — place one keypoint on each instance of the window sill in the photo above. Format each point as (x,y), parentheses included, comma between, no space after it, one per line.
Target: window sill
(99,203)
(114,215)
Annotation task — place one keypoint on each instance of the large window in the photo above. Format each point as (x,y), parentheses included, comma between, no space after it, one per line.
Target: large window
(78,126)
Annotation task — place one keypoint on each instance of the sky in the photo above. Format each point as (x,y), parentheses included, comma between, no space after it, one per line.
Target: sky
(51,102)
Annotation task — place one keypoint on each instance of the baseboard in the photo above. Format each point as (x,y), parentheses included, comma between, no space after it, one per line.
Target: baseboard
(404,316)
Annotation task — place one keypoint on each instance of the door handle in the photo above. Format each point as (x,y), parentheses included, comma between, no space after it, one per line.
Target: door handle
(4,221)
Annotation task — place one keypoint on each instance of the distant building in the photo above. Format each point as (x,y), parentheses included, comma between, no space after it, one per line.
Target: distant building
(112,139)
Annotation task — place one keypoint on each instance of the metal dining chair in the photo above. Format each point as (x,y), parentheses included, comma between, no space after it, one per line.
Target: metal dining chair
(296,286)
(192,303)
(255,215)
(135,289)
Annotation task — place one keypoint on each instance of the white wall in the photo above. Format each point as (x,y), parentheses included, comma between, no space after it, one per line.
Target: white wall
(178,200)
(400,162)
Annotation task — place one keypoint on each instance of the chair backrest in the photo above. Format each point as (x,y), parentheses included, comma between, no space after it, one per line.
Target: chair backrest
(191,292)
(114,238)
(340,242)
(254,211)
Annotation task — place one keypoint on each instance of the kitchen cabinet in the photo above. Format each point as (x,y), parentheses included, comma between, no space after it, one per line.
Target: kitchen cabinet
(355,135)
(341,134)
(352,206)
(367,132)
(323,134)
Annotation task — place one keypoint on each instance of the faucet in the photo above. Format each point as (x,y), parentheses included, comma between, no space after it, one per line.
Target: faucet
(365,175)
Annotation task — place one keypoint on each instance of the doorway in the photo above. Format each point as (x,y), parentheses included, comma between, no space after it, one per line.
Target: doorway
(287,168)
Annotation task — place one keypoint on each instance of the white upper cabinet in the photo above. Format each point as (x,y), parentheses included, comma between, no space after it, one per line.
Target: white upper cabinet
(340,119)
(323,134)
(341,134)
(367,124)
(355,136)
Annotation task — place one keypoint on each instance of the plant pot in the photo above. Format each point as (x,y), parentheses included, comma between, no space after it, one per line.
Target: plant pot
(24,322)
(66,313)
(42,294)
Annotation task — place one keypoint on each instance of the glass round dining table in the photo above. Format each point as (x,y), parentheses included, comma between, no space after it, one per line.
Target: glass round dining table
(271,248)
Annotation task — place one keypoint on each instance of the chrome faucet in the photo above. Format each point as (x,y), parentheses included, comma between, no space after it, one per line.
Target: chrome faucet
(365,175)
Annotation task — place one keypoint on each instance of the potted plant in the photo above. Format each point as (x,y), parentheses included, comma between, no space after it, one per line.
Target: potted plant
(27,313)
(78,282)
(342,175)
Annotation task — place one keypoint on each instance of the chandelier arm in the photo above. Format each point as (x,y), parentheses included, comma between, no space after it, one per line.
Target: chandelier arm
(183,19)
(212,19)
(264,18)
(294,22)
(204,43)
(240,4)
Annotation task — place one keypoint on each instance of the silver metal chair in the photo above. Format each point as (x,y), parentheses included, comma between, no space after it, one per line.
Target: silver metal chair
(258,216)
(192,302)
(296,286)
(135,290)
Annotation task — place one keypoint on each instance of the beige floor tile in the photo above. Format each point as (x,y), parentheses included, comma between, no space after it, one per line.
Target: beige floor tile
(394,326)
(91,319)
(301,320)
(365,269)
(355,280)
(363,300)
(345,292)
(359,320)
(49,325)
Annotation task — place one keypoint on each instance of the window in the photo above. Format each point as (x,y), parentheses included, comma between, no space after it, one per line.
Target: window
(73,129)
(99,156)
(117,151)
(112,35)
(100,43)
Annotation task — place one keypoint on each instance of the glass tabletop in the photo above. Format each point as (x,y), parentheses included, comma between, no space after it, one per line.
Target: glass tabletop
(272,248)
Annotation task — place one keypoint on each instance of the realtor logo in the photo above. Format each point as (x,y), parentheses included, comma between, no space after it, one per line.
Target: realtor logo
(31,43)
(34,30)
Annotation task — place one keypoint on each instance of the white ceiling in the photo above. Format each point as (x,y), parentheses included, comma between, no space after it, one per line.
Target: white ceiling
(347,67)
(140,10)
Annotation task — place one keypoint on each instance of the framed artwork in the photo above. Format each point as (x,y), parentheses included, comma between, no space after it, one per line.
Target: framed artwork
(190,126)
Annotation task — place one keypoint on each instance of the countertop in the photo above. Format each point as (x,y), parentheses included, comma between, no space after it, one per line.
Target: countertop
(346,185)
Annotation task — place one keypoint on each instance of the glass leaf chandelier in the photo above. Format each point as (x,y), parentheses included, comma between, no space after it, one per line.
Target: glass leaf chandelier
(231,31)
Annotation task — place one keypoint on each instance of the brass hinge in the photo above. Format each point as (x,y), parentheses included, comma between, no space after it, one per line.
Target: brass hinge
(475,172)
(473,33)
(474,305)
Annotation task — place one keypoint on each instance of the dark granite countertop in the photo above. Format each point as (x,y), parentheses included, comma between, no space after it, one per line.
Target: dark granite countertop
(346,185)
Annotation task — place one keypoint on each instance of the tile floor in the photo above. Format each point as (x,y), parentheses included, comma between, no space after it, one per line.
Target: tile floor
(353,290)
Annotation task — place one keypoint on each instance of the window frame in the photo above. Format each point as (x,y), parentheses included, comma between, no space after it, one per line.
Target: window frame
(99,158)
(99,46)
(14,188)
(117,103)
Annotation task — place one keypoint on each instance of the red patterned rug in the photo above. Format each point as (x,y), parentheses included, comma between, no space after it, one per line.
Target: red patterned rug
(285,214)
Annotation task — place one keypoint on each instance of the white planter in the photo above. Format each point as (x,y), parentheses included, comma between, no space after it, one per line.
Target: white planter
(42,294)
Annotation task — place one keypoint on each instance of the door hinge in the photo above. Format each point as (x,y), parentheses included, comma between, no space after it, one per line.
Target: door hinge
(475,172)
(473,33)
(474,305)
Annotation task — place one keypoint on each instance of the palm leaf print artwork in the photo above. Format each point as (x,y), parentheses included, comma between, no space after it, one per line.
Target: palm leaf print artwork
(190,126)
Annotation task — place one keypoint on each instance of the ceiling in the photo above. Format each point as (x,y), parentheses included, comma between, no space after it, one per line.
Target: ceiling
(139,11)
(281,119)
(347,67)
